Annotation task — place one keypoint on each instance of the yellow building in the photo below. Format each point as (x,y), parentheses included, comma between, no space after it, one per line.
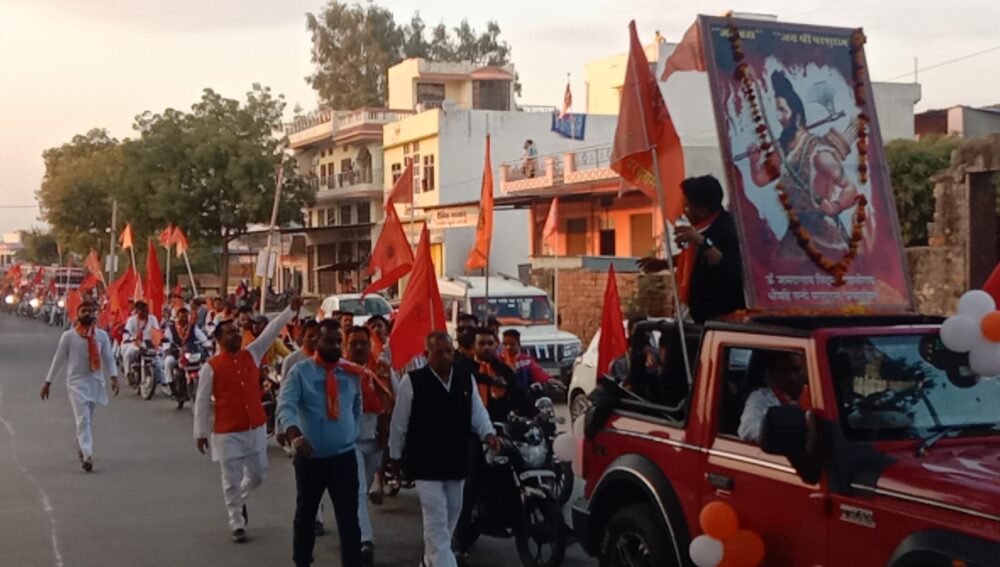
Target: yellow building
(604,78)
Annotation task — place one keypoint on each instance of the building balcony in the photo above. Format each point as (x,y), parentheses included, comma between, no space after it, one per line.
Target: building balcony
(346,184)
(585,165)
(365,124)
(310,129)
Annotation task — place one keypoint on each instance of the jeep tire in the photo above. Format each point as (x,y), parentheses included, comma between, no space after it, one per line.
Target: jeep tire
(633,540)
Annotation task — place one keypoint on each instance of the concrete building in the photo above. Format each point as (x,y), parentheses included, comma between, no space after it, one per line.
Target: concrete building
(961,121)
(341,152)
(10,245)
(424,85)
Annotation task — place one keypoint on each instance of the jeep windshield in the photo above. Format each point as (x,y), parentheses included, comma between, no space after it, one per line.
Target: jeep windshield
(909,386)
(371,305)
(525,310)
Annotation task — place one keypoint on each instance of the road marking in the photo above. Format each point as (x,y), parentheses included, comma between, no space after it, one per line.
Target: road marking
(43,497)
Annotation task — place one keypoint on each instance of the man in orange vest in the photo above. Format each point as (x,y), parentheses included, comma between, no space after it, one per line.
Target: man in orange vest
(237,425)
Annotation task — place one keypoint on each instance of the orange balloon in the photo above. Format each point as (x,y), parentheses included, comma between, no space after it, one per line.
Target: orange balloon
(718,520)
(990,326)
(745,549)
(727,563)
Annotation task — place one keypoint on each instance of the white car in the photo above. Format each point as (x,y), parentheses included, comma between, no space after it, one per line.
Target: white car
(362,309)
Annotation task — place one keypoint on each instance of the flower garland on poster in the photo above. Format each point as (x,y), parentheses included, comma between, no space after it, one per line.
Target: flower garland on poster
(771,159)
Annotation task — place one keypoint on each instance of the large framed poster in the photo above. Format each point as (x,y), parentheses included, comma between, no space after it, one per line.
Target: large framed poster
(806,172)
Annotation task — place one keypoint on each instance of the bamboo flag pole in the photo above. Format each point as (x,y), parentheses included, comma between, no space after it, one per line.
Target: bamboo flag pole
(194,286)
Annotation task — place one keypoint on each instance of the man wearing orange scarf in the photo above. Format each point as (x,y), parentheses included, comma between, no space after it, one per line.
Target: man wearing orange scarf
(320,406)
(86,353)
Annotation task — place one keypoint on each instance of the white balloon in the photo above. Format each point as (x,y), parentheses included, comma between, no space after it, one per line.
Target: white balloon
(961,333)
(985,360)
(578,427)
(706,551)
(564,447)
(976,303)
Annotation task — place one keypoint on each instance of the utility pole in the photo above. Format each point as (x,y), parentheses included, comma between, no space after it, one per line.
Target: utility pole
(112,263)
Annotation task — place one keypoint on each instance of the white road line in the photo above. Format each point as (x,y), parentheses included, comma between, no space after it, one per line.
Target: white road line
(43,497)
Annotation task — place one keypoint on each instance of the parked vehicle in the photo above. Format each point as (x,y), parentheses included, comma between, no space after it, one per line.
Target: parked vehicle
(901,467)
(517,306)
(516,499)
(362,309)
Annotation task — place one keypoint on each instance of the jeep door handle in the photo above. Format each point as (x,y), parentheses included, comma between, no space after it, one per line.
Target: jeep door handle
(721,481)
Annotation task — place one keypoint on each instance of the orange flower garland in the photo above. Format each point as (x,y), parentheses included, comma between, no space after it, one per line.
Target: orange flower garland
(771,164)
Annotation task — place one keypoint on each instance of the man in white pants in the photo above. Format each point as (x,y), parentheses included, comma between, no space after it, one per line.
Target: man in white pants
(86,353)
(237,422)
(436,408)
(140,328)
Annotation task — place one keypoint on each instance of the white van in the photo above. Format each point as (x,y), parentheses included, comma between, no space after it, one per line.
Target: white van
(517,306)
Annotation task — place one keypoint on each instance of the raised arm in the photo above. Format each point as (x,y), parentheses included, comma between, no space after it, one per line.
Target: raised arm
(258,348)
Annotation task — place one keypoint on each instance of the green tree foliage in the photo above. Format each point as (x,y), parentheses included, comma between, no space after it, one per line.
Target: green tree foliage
(354,46)
(39,247)
(911,166)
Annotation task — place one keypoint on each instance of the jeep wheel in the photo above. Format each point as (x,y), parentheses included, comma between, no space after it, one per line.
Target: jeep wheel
(632,540)
(578,405)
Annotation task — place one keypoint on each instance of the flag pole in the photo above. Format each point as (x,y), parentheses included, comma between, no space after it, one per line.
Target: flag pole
(666,225)
(166,284)
(194,287)
(270,234)
(135,268)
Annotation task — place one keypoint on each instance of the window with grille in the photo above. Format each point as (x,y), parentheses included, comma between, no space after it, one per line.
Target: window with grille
(345,214)
(364,213)
(427,182)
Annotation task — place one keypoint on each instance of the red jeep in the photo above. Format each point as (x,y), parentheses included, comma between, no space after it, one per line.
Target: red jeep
(893,458)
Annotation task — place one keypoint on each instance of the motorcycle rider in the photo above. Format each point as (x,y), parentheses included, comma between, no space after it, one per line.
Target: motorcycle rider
(139,328)
(527,368)
(181,334)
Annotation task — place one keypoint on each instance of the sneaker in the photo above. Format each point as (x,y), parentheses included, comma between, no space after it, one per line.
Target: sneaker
(246,520)
(318,527)
(367,553)
(239,536)
(88,464)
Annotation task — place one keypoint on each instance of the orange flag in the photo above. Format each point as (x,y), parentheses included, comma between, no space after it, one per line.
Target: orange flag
(612,343)
(402,190)
(421,310)
(93,265)
(127,238)
(153,288)
(181,241)
(550,232)
(479,256)
(167,236)
(392,255)
(73,300)
(687,56)
(645,126)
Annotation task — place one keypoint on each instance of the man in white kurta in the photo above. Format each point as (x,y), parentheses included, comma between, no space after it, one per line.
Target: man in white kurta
(236,423)
(85,352)
(139,328)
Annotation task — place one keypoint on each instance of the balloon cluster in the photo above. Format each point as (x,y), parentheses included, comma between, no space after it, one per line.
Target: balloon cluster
(724,544)
(975,330)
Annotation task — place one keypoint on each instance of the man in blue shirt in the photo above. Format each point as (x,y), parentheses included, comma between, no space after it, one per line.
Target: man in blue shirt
(320,406)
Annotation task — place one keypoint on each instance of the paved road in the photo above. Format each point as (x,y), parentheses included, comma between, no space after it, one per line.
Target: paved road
(152,499)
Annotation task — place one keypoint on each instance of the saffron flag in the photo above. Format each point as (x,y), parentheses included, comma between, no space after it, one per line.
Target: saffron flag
(392,255)
(167,236)
(120,291)
(73,300)
(644,127)
(550,232)
(567,102)
(689,55)
(402,190)
(479,256)
(181,241)
(87,283)
(421,310)
(93,265)
(612,343)
(127,238)
(153,287)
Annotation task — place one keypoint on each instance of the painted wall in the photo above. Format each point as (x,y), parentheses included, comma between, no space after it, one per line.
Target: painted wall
(402,87)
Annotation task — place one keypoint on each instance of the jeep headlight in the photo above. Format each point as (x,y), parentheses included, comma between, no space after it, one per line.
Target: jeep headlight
(571,350)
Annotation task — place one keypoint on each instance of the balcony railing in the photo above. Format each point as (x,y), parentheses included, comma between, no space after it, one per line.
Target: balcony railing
(347,180)
(369,116)
(308,121)
(576,166)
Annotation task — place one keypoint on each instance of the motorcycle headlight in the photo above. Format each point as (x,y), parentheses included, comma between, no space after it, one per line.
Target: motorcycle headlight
(10,300)
(61,304)
(533,455)
(571,350)
(34,303)
(193,357)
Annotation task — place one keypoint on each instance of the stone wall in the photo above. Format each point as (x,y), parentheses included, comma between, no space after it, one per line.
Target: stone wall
(936,276)
(581,297)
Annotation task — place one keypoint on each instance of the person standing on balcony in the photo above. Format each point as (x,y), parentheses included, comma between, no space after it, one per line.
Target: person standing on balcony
(529,160)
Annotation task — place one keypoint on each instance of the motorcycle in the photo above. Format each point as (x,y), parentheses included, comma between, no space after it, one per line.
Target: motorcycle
(547,422)
(57,315)
(184,382)
(270,383)
(516,499)
(141,374)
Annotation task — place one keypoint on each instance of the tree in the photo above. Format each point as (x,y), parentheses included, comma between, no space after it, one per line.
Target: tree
(39,247)
(354,46)
(911,166)
(213,170)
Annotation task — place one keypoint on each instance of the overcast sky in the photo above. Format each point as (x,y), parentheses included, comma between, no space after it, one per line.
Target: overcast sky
(71,65)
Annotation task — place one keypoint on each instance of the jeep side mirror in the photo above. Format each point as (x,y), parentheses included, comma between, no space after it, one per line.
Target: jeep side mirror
(784,431)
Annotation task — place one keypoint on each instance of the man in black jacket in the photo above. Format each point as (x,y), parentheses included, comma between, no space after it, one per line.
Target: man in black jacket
(717,276)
